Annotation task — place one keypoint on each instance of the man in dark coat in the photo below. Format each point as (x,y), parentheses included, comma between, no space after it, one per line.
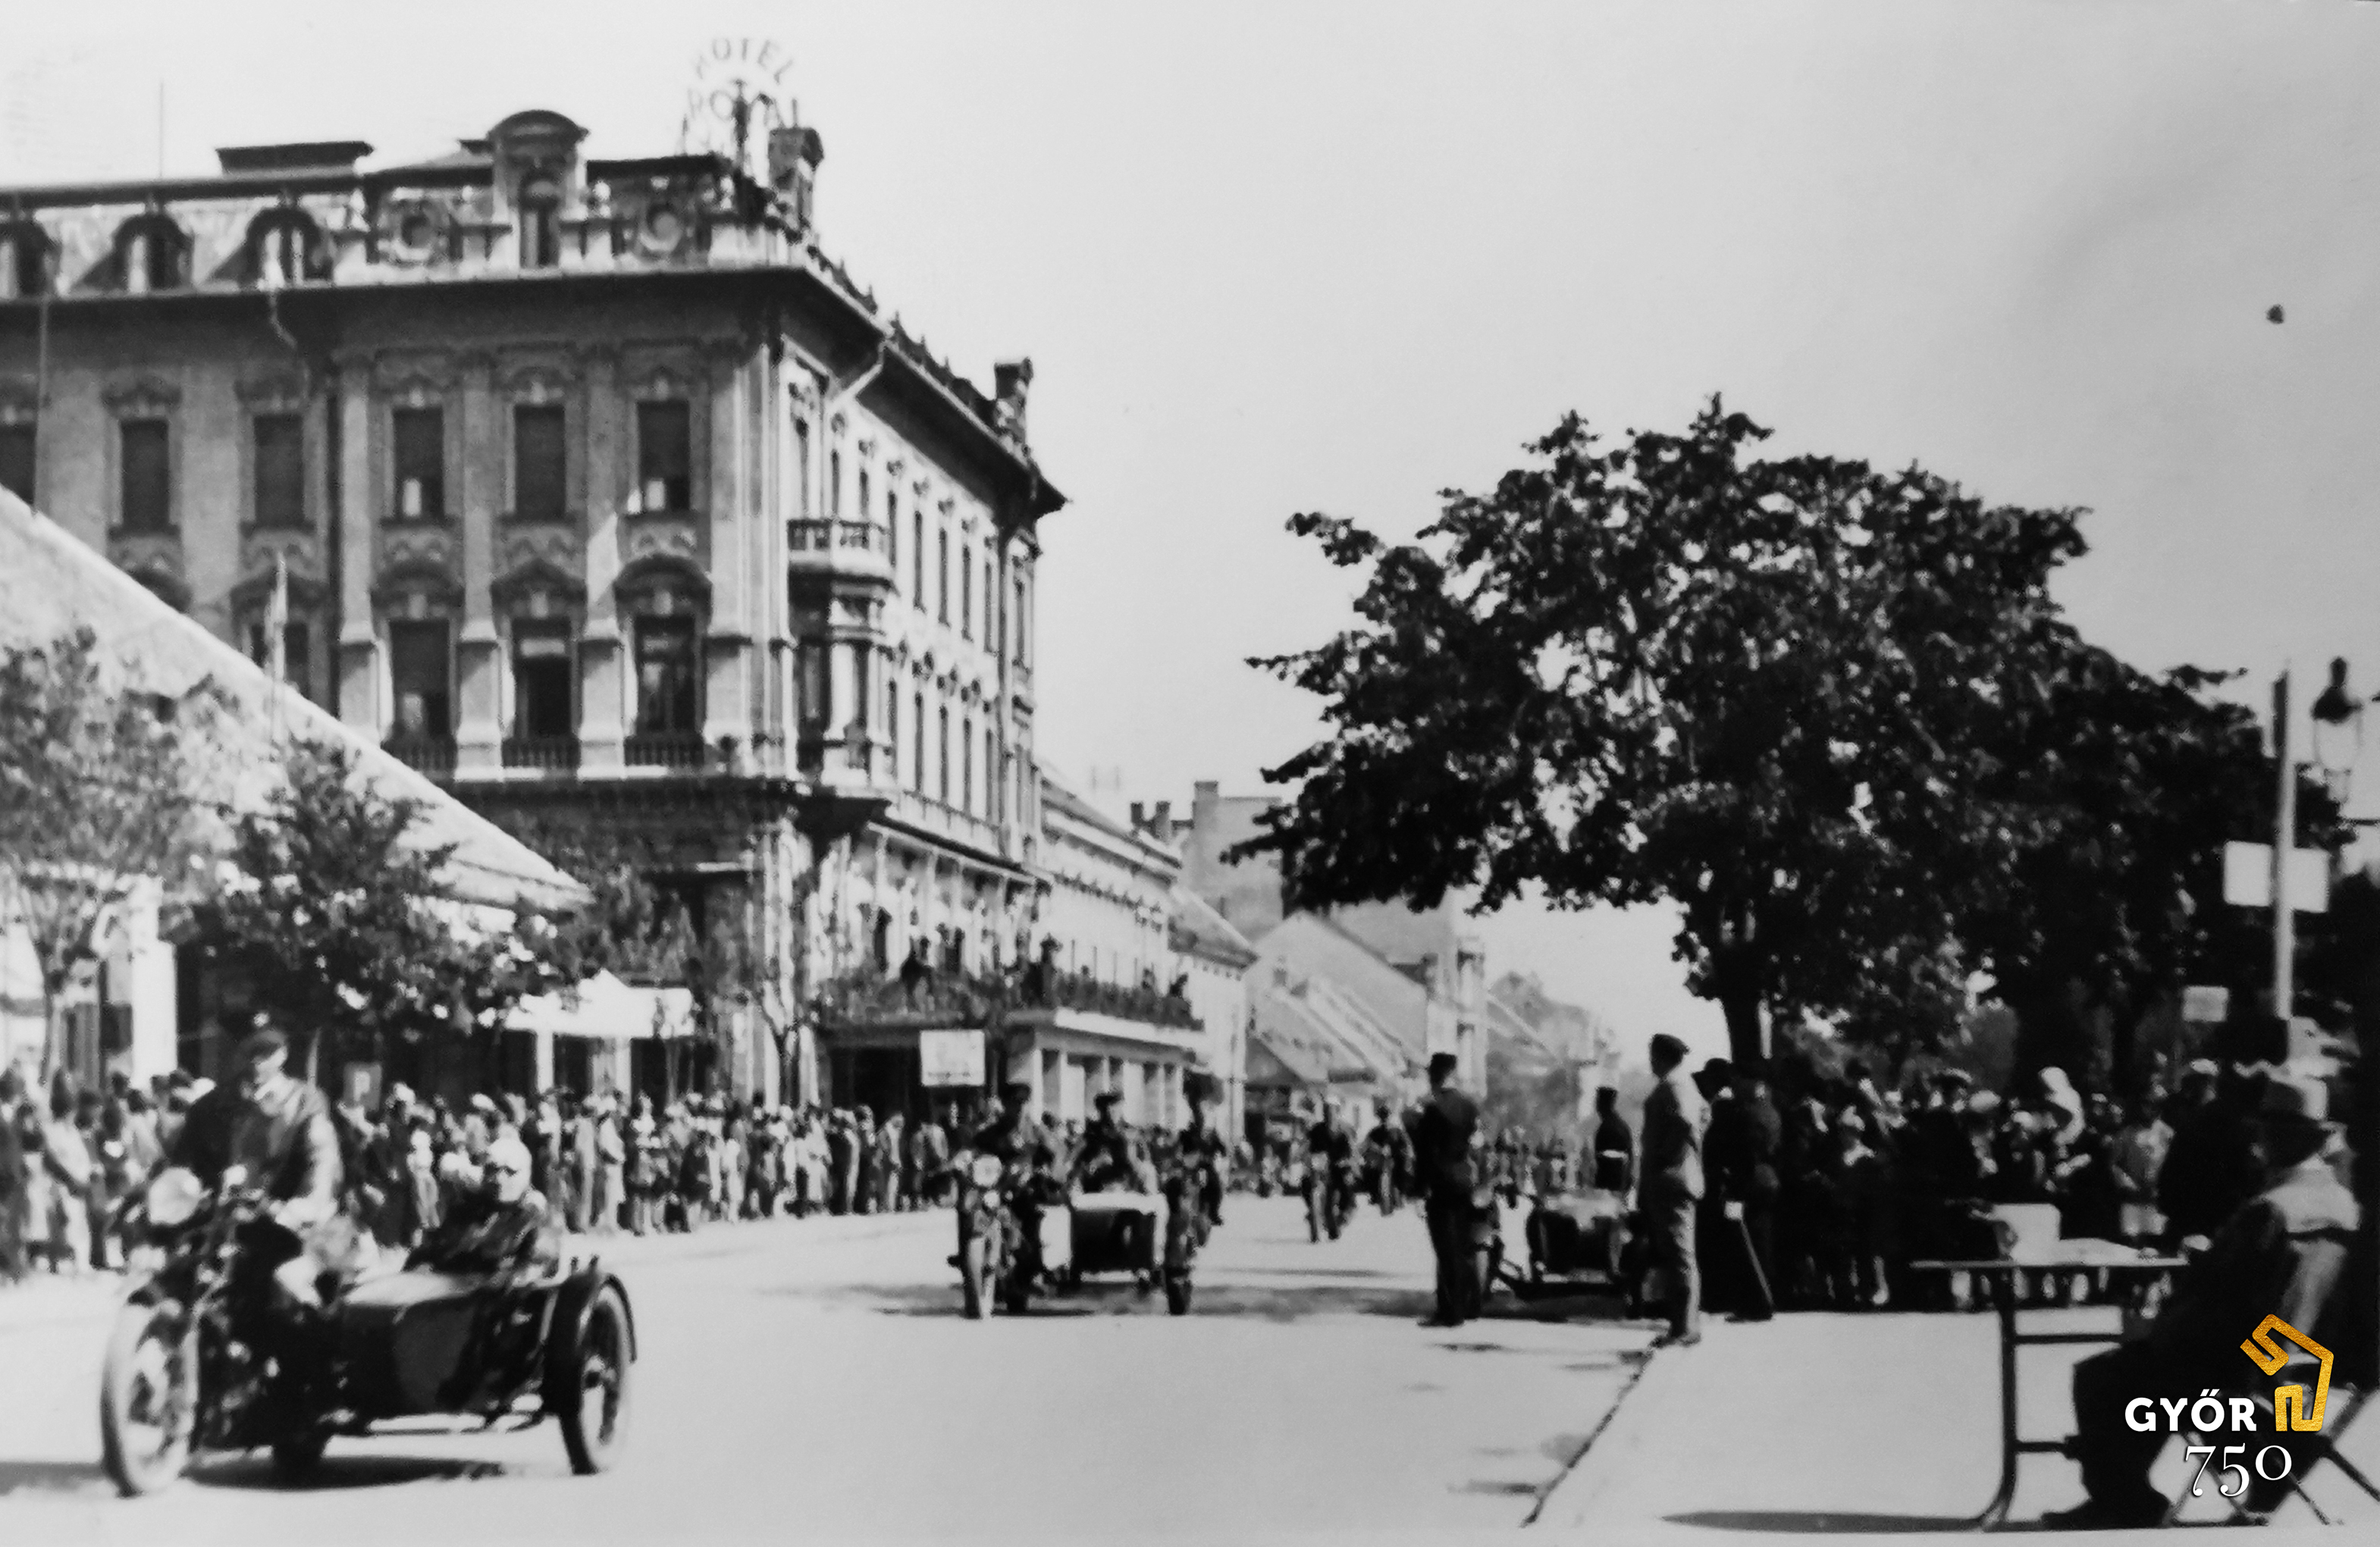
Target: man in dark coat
(2281,1254)
(1750,1186)
(1675,1119)
(1445,1129)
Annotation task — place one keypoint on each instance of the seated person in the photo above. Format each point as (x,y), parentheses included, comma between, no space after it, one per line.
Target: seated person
(503,1226)
(2280,1253)
(1105,1162)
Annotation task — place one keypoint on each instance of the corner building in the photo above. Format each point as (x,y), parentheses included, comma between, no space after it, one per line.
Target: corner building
(604,496)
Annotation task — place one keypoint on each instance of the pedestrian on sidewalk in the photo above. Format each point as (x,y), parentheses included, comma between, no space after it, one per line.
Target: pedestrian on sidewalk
(15,1179)
(1675,1119)
(1445,1135)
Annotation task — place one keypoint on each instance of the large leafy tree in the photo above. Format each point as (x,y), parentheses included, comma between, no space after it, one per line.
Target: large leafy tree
(101,794)
(2113,899)
(327,904)
(1774,693)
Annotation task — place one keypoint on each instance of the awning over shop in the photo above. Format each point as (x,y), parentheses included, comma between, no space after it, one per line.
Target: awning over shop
(608,1010)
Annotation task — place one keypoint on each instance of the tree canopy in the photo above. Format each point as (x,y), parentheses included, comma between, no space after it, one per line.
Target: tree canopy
(327,905)
(1832,713)
(100,796)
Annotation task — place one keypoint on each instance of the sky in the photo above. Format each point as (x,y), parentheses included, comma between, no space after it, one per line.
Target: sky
(1268,257)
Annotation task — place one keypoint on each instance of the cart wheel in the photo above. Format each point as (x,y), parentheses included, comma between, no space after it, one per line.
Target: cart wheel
(594,1426)
(1177,1294)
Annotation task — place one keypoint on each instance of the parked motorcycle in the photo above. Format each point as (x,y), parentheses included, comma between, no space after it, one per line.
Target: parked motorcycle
(202,1358)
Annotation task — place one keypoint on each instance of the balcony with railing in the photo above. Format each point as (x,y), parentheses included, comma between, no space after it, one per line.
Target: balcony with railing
(678,750)
(916,996)
(838,545)
(433,755)
(940,819)
(555,754)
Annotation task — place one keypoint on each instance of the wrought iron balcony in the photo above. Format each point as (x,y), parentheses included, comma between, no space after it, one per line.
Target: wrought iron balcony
(433,755)
(550,753)
(869,996)
(666,749)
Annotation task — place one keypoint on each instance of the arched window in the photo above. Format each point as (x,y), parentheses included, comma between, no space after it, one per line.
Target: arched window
(25,251)
(285,246)
(151,253)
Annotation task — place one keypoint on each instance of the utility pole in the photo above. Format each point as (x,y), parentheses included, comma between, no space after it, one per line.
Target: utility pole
(2285,824)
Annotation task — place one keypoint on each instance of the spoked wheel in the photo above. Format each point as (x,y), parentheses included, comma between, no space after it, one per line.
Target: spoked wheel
(974,1283)
(148,1400)
(594,1426)
(1177,1293)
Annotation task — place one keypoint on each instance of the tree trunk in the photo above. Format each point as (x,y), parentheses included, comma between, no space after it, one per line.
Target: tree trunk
(1740,1002)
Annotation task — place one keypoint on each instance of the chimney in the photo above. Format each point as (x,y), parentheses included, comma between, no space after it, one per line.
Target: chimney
(1162,822)
(794,156)
(1139,817)
(1012,380)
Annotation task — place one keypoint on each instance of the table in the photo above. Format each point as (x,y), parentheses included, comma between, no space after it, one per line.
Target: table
(2001,1273)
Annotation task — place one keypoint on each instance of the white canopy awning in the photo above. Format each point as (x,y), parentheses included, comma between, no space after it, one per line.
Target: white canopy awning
(607,1009)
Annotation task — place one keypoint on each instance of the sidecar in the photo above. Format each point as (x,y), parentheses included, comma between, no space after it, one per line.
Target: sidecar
(418,1344)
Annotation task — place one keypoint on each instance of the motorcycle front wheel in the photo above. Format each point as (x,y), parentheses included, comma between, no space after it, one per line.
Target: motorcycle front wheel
(594,1428)
(974,1281)
(148,1400)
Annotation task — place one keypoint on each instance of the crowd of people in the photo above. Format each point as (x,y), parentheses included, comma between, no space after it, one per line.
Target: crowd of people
(69,1156)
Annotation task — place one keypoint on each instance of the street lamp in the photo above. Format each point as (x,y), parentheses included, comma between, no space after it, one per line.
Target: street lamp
(2338,726)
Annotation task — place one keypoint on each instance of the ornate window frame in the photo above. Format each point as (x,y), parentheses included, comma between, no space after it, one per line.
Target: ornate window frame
(131,399)
(309,255)
(415,384)
(671,375)
(544,384)
(285,395)
(664,586)
(310,598)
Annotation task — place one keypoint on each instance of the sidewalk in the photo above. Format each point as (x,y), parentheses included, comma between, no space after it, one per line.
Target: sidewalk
(1844,1424)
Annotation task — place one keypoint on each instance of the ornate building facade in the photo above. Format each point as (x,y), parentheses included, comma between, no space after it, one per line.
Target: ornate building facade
(603,496)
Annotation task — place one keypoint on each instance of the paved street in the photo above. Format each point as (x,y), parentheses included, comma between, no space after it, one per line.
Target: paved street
(817,1378)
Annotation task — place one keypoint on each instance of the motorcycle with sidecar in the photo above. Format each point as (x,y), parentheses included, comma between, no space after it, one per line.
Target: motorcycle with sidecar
(203,1358)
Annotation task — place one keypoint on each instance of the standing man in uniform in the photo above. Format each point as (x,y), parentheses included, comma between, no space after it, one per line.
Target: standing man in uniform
(1675,1119)
(1446,1129)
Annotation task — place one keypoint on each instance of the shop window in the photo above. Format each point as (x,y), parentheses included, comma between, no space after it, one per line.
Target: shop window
(420,664)
(538,462)
(542,681)
(420,459)
(148,480)
(664,456)
(280,445)
(668,689)
(17,460)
